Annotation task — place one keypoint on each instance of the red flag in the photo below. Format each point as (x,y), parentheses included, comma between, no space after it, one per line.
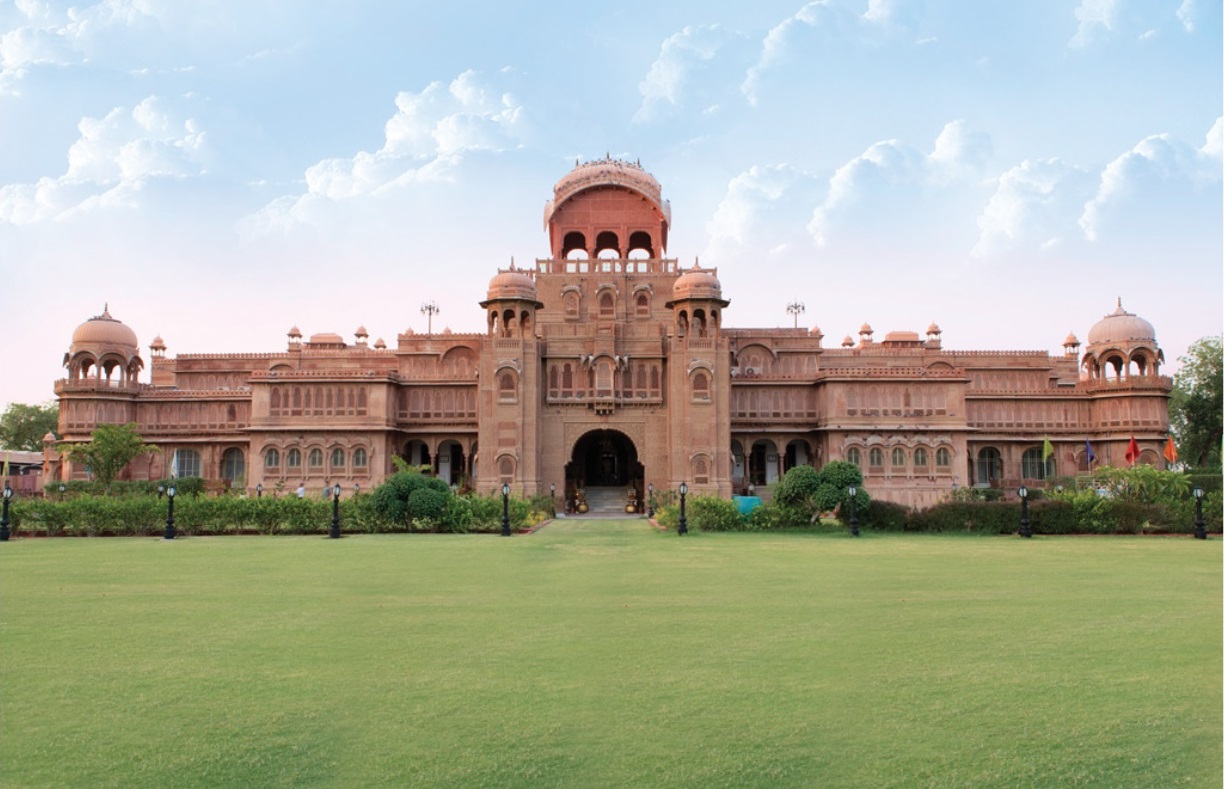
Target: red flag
(1170,452)
(1132,451)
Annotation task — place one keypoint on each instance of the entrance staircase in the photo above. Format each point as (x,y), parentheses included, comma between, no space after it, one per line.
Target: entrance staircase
(607,503)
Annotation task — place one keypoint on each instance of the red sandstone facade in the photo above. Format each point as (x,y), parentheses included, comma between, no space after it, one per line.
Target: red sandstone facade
(607,364)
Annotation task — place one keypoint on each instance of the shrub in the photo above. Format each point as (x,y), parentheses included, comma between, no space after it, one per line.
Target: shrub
(774,517)
(711,513)
(797,486)
(884,516)
(391,499)
(457,517)
(427,502)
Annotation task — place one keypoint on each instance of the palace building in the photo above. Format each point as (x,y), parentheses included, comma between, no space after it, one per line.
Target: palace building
(607,364)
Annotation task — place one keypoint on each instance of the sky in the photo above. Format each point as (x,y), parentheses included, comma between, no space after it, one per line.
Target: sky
(217,172)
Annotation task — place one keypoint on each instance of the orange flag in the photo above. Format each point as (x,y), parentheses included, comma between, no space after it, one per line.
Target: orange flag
(1170,452)
(1132,451)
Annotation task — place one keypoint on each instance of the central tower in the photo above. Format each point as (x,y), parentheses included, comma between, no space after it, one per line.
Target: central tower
(623,377)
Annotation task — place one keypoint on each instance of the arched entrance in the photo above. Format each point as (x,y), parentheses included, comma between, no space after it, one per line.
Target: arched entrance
(603,459)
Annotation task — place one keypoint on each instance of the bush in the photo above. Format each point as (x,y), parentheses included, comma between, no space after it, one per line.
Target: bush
(775,517)
(392,498)
(884,516)
(427,502)
(710,513)
(797,486)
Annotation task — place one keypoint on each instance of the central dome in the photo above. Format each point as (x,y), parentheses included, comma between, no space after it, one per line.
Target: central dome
(604,173)
(104,330)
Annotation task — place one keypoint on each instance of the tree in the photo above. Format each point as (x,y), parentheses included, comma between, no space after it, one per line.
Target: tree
(23,426)
(112,448)
(1197,404)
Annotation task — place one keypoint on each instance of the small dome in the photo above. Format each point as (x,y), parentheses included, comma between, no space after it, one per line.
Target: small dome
(361,331)
(1071,339)
(49,437)
(697,283)
(158,344)
(934,328)
(847,342)
(512,284)
(380,344)
(865,329)
(816,332)
(104,330)
(1122,327)
(295,332)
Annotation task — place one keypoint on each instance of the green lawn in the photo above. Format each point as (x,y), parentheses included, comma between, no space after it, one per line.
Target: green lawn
(606,654)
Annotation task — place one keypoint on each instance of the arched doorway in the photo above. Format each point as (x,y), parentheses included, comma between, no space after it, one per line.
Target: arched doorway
(603,459)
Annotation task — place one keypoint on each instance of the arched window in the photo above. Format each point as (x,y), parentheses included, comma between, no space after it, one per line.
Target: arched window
(607,305)
(1033,467)
(360,459)
(505,386)
(853,456)
(920,458)
(989,465)
(943,458)
(642,306)
(233,465)
(316,458)
(701,386)
(875,458)
(187,463)
(898,457)
(574,242)
(274,400)
(272,458)
(293,458)
(337,458)
(505,469)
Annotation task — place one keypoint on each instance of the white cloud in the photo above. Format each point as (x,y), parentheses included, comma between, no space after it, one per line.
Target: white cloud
(110,162)
(1093,16)
(1158,170)
(53,37)
(1033,205)
(758,196)
(669,75)
(427,137)
(893,173)
(1185,14)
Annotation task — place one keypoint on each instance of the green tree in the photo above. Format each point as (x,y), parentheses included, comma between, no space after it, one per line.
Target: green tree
(1195,411)
(23,426)
(112,448)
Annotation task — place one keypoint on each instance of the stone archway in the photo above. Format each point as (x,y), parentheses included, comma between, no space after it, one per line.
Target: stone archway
(603,458)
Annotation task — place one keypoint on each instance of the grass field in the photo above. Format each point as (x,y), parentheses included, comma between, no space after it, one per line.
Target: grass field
(606,654)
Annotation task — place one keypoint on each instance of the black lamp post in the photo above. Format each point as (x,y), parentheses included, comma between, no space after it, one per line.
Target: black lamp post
(259,490)
(650,500)
(4,521)
(63,488)
(853,491)
(1025,527)
(335,527)
(169,535)
(1200,528)
(505,509)
(683,529)
(552,495)
(161,490)
(356,489)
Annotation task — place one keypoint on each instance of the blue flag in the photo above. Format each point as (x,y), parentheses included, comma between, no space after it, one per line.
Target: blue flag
(1090,453)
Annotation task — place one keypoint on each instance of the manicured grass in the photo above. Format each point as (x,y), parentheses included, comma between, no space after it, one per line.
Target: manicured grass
(605,654)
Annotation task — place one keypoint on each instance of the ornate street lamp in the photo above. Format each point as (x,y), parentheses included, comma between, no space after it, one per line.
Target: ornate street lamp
(161,490)
(505,509)
(683,529)
(853,491)
(4,521)
(796,309)
(63,488)
(650,500)
(334,534)
(552,495)
(429,309)
(1200,528)
(259,490)
(356,489)
(169,535)
(1025,528)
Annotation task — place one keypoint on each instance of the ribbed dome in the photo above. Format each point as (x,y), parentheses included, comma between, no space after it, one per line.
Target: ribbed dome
(697,283)
(1122,327)
(512,284)
(608,172)
(1071,339)
(934,328)
(104,330)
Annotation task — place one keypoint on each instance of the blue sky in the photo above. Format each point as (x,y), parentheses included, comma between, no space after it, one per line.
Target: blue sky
(220,171)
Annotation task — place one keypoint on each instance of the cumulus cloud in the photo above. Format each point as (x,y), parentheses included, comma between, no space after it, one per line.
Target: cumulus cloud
(681,54)
(110,162)
(49,36)
(427,137)
(1095,17)
(1159,169)
(1185,15)
(893,173)
(764,207)
(1033,206)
